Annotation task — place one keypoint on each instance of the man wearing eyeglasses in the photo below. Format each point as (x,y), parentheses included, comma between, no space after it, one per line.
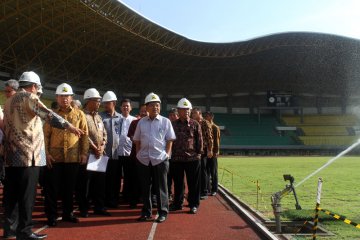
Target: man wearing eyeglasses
(93,182)
(64,153)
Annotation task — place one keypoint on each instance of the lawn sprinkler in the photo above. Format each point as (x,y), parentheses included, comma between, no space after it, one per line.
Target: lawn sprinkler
(276,198)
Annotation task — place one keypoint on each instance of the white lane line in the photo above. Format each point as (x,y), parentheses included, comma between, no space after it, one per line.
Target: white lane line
(153,229)
(41,229)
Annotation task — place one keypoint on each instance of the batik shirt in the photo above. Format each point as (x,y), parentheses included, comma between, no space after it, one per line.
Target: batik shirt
(188,145)
(216,136)
(24,137)
(64,146)
(207,136)
(97,132)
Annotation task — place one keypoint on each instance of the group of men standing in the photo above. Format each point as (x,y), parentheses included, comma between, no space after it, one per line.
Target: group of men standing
(148,153)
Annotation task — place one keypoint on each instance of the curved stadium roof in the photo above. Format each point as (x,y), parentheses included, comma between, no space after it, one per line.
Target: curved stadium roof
(106,45)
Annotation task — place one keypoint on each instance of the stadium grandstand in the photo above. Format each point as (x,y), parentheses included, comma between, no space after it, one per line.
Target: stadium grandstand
(296,92)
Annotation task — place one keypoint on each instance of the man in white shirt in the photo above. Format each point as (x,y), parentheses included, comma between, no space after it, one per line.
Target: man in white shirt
(153,138)
(125,145)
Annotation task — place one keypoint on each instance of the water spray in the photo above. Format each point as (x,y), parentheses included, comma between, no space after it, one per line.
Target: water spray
(276,197)
(354,145)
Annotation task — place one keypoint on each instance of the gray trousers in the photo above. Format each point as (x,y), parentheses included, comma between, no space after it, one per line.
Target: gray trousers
(154,177)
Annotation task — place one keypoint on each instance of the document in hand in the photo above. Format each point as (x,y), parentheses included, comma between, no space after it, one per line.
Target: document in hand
(97,165)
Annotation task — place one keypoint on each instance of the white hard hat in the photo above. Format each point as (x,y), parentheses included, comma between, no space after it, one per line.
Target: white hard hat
(152,97)
(64,89)
(109,96)
(184,103)
(91,93)
(29,77)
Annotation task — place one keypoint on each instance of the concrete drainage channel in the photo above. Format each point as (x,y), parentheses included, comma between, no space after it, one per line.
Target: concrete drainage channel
(264,226)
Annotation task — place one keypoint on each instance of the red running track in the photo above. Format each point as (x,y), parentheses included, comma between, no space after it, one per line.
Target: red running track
(214,220)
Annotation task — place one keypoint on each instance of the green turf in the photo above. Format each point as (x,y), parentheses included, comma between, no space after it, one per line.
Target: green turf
(341,192)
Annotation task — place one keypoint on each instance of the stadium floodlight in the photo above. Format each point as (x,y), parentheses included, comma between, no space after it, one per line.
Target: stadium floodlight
(276,200)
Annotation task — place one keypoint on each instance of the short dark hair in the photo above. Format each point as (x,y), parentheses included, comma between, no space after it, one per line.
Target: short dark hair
(125,100)
(196,109)
(209,113)
(14,84)
(173,110)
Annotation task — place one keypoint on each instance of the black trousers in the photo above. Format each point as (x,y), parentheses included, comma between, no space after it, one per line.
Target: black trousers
(12,219)
(169,181)
(82,188)
(96,186)
(204,178)
(212,169)
(20,191)
(113,182)
(192,171)
(154,177)
(60,183)
(91,187)
(133,182)
(126,168)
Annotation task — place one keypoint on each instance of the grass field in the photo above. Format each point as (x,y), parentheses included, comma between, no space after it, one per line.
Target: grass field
(340,192)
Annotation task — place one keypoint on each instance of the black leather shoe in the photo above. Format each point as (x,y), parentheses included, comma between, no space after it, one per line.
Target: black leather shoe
(193,210)
(174,207)
(161,218)
(203,197)
(35,236)
(144,218)
(71,219)
(102,213)
(52,222)
(9,235)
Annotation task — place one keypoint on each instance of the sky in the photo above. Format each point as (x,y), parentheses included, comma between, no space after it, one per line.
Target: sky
(240,20)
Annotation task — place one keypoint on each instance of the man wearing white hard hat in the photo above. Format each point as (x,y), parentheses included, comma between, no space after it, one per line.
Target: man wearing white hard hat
(185,158)
(94,182)
(153,138)
(64,153)
(112,121)
(24,150)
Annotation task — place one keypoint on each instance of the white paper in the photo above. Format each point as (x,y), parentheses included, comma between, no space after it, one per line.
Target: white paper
(97,165)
